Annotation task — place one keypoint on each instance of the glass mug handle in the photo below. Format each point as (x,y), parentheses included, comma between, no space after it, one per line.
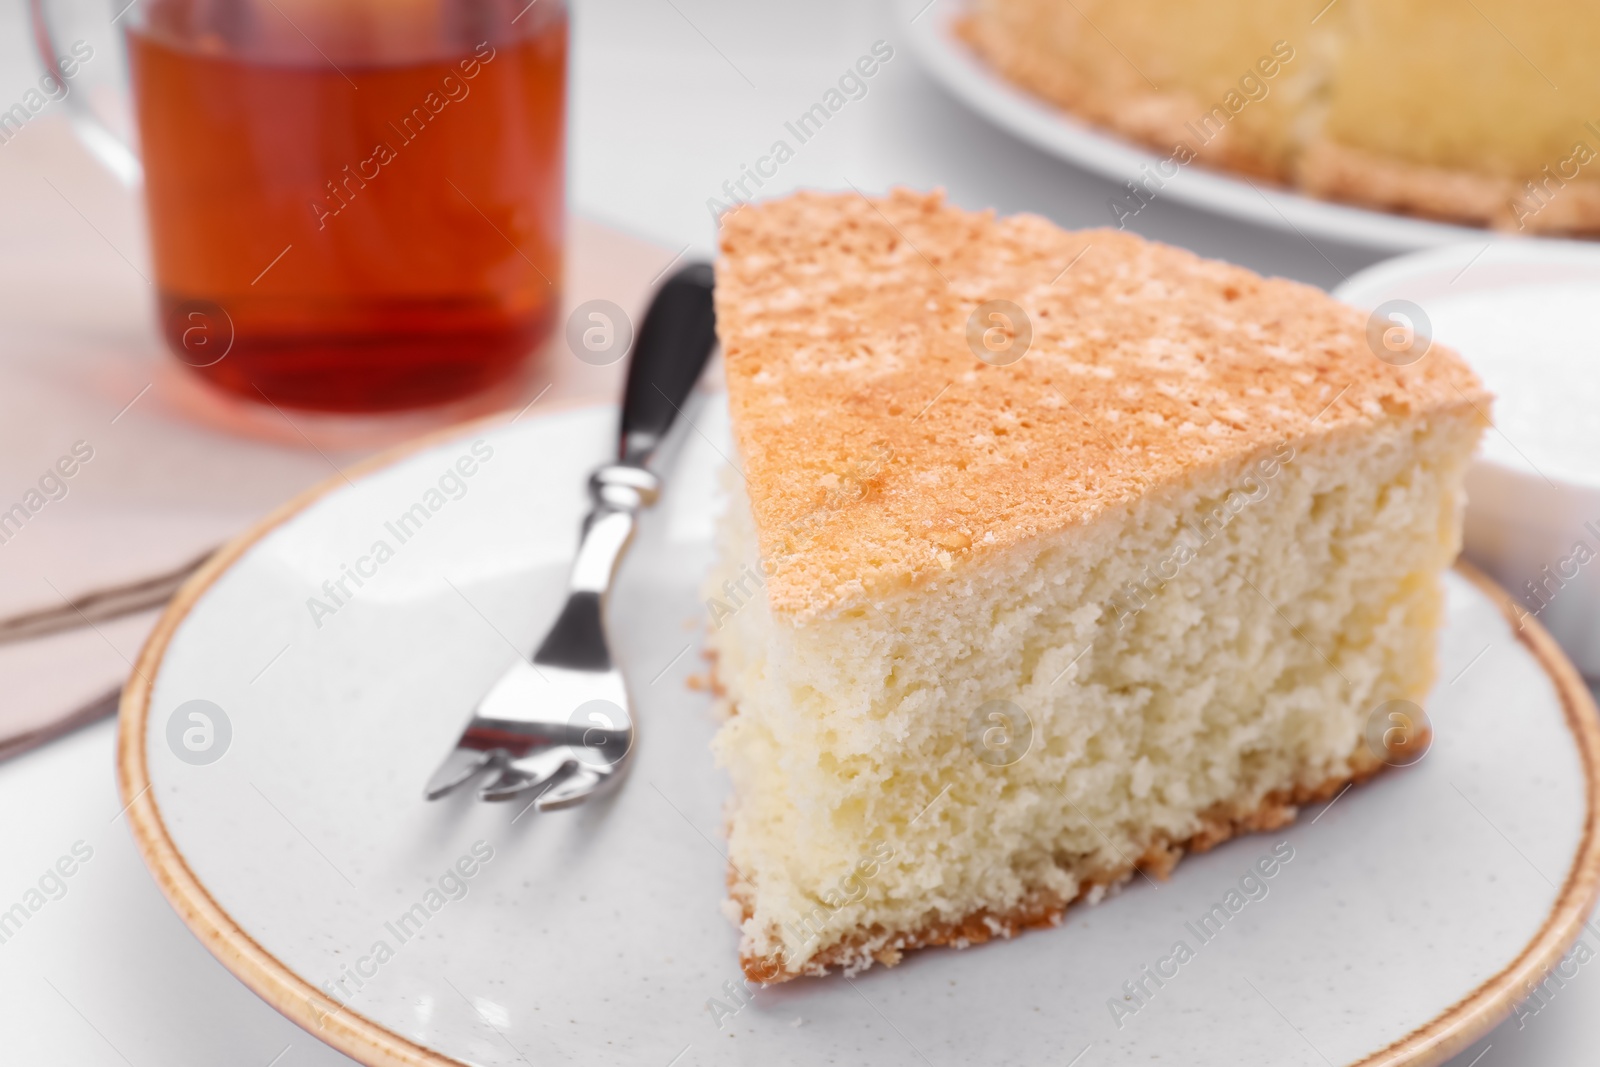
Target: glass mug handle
(86,59)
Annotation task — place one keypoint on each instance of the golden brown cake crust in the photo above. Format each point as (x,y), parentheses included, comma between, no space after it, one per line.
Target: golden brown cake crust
(1131,107)
(1276,810)
(1316,164)
(1338,172)
(878,449)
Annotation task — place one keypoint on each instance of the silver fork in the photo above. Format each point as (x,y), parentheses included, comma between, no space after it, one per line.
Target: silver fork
(559,726)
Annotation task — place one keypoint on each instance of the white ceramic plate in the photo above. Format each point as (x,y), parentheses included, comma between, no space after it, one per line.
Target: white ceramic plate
(1414,912)
(928,27)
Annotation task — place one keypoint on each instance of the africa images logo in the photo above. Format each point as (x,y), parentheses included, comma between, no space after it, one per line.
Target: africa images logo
(452,484)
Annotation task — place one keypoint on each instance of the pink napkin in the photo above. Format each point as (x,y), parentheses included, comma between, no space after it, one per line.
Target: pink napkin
(115,464)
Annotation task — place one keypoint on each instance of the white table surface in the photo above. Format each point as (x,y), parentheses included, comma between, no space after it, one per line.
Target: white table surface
(670,97)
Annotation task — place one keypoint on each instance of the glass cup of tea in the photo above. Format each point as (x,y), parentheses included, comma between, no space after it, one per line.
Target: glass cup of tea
(354,205)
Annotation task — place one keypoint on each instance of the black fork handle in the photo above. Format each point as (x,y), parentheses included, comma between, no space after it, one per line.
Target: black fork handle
(675,341)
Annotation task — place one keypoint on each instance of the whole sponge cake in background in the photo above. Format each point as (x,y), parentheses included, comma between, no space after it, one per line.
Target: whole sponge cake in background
(1485,112)
(1016,628)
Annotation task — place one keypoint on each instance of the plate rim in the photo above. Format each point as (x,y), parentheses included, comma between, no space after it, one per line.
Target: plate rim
(1047,127)
(371,1043)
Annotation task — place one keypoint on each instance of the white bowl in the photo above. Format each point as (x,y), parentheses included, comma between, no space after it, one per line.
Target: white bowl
(1523,315)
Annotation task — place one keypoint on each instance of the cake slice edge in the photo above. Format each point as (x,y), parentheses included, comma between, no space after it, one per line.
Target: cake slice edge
(854,942)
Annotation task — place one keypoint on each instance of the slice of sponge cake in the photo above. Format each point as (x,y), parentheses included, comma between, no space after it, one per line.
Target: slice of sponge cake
(1015,598)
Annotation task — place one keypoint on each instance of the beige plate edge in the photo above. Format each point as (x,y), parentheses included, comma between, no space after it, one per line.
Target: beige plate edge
(369,1043)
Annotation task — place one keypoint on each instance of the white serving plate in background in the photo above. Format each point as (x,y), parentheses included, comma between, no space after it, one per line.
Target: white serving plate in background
(929,28)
